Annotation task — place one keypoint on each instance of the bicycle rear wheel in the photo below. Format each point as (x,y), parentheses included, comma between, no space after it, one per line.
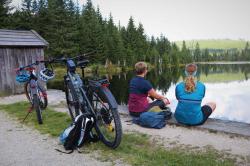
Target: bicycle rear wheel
(72,101)
(37,107)
(108,125)
(43,100)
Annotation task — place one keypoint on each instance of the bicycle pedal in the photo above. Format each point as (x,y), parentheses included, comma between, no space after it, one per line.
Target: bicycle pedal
(110,128)
(30,109)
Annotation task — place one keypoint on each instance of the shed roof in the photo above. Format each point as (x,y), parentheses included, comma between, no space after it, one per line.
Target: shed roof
(19,38)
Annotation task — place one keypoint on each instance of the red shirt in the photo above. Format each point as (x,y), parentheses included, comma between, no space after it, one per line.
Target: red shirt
(138,93)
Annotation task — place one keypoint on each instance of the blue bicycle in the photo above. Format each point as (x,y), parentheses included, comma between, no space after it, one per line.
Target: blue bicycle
(94,99)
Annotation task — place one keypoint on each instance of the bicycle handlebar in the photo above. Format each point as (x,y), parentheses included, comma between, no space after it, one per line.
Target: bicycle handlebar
(63,59)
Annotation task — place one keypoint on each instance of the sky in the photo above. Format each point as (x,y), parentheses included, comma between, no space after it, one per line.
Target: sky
(182,19)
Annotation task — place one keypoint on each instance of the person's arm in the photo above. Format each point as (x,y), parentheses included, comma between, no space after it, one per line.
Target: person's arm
(176,93)
(155,95)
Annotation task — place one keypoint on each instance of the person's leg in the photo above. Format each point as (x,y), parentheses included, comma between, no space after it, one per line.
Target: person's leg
(135,114)
(159,103)
(212,105)
(164,109)
(207,110)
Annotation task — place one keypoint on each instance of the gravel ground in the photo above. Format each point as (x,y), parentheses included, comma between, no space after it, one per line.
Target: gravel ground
(55,97)
(23,146)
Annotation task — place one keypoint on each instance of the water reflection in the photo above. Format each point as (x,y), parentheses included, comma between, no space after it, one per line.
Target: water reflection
(226,84)
(232,100)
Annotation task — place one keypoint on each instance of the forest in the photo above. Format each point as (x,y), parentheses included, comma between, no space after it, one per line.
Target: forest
(72,29)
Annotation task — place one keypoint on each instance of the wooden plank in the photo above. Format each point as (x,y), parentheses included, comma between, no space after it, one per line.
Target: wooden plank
(11,31)
(11,36)
(22,43)
(14,31)
(11,58)
(21,38)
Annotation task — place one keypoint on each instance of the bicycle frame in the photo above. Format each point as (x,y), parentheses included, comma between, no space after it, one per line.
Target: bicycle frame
(76,83)
(35,85)
(93,99)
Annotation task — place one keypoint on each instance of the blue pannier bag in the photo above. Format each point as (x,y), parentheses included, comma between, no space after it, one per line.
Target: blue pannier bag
(152,119)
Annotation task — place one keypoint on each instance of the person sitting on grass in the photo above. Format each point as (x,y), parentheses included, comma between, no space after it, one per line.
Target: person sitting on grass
(189,95)
(139,91)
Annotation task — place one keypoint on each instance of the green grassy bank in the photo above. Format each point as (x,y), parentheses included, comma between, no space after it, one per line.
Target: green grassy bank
(214,44)
(135,149)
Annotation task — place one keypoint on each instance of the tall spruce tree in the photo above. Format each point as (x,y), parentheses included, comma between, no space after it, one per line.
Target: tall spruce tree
(141,43)
(5,13)
(91,32)
(197,53)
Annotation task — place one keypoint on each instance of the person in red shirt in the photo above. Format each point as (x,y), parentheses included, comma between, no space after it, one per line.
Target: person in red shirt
(139,91)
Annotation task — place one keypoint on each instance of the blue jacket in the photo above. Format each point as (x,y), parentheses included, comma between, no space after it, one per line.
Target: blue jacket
(188,110)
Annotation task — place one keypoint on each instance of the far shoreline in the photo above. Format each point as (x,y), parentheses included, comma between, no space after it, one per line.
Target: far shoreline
(224,62)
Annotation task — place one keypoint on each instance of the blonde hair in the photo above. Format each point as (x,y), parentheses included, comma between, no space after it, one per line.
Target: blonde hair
(140,67)
(190,84)
(191,69)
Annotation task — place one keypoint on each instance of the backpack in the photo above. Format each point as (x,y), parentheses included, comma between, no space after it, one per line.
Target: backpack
(153,119)
(79,132)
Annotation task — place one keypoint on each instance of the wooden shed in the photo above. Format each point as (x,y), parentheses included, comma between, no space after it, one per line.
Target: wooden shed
(17,48)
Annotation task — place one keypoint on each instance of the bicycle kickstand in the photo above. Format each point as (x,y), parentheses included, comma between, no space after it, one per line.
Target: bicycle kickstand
(29,111)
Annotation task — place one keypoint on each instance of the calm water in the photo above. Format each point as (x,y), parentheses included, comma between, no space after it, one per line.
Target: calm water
(226,84)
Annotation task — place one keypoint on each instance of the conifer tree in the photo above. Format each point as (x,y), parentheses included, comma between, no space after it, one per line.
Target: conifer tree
(5,13)
(197,53)
(141,43)
(91,32)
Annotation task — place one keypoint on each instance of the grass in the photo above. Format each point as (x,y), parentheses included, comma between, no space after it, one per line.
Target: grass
(4,93)
(222,77)
(214,44)
(135,149)
(53,122)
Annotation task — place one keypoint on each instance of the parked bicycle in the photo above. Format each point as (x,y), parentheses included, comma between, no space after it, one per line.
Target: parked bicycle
(34,91)
(93,98)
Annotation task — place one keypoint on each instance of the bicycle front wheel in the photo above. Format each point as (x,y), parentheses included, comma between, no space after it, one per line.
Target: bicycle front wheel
(37,108)
(43,100)
(72,101)
(108,124)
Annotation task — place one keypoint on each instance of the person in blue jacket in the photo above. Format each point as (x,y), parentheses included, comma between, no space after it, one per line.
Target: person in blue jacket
(189,95)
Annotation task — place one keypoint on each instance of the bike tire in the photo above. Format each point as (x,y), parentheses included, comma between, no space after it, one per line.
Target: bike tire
(44,100)
(105,134)
(72,101)
(37,108)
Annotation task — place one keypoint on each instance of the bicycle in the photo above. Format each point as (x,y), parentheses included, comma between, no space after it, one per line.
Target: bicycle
(93,98)
(34,91)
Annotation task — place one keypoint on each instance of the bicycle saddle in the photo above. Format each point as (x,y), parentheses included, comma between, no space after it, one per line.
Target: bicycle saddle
(99,82)
(82,63)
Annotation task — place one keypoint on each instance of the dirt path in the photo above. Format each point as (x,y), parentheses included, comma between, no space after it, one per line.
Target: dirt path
(23,146)
(54,98)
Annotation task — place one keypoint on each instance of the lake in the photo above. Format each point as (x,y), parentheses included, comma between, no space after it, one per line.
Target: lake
(226,84)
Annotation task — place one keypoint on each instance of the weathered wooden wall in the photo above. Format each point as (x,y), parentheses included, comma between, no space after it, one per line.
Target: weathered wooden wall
(11,58)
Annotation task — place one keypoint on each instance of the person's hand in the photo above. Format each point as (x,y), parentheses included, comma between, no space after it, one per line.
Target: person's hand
(166,101)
